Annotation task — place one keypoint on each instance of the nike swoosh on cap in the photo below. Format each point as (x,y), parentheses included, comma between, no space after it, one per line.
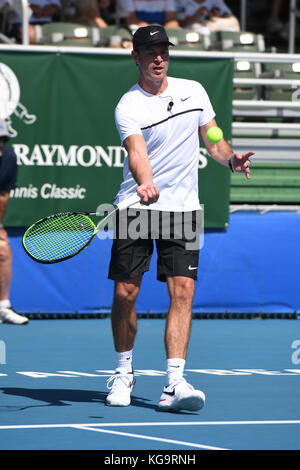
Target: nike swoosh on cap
(153,32)
(184,99)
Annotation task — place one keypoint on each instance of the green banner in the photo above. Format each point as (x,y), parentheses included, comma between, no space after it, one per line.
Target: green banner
(59,108)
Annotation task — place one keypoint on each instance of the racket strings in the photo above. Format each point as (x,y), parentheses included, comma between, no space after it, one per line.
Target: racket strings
(59,237)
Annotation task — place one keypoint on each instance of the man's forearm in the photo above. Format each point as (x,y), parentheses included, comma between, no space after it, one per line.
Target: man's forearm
(138,160)
(235,161)
(141,169)
(221,152)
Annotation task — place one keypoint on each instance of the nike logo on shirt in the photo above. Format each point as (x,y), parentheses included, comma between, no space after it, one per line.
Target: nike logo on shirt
(190,268)
(184,99)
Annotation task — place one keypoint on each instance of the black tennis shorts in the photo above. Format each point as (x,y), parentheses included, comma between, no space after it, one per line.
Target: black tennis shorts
(176,235)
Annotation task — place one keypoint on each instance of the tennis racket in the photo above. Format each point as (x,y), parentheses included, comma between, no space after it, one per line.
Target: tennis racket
(61,236)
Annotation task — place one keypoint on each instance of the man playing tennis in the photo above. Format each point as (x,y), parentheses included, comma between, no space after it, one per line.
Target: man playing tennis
(158,120)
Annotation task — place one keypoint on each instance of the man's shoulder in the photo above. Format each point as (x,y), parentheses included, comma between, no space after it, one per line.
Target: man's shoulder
(185,83)
(129,96)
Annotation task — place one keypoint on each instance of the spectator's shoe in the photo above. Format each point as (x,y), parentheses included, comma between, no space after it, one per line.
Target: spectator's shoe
(8,315)
(181,396)
(120,389)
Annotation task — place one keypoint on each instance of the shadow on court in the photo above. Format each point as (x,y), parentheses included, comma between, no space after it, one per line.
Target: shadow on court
(59,397)
(62,397)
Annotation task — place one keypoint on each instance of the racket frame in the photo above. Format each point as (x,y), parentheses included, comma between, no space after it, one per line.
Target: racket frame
(120,206)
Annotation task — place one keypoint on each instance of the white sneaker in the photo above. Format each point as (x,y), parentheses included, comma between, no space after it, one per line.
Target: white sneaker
(8,315)
(181,396)
(120,389)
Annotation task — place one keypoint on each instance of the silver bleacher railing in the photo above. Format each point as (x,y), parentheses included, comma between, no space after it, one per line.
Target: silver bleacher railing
(294,15)
(25,21)
(24,11)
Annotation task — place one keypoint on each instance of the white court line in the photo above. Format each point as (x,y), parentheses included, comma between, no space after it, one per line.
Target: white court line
(150,438)
(175,423)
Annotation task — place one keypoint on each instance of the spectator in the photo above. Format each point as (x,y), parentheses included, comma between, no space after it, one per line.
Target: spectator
(89,12)
(8,177)
(145,12)
(180,6)
(209,15)
(274,24)
(43,12)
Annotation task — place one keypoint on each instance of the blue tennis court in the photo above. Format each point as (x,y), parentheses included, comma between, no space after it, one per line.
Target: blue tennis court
(244,350)
(53,385)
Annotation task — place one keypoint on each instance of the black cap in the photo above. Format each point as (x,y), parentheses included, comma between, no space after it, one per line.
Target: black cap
(147,35)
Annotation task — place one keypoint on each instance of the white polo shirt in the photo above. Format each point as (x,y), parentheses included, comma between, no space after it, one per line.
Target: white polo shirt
(171,134)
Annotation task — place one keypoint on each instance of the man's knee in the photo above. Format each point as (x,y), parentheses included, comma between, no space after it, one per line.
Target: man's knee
(181,289)
(127,291)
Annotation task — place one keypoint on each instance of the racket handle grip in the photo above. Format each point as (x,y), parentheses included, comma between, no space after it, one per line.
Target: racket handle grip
(128,202)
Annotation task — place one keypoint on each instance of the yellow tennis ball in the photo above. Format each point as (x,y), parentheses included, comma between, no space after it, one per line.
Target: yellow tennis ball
(214,134)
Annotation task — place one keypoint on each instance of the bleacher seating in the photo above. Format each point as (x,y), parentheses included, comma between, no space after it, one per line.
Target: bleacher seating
(184,39)
(246,69)
(72,34)
(289,70)
(237,41)
(261,111)
(66,34)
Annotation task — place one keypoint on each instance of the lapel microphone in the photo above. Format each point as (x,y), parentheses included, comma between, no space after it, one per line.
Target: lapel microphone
(170,105)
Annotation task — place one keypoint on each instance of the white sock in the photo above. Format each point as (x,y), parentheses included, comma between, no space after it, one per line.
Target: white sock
(124,361)
(175,368)
(4,303)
